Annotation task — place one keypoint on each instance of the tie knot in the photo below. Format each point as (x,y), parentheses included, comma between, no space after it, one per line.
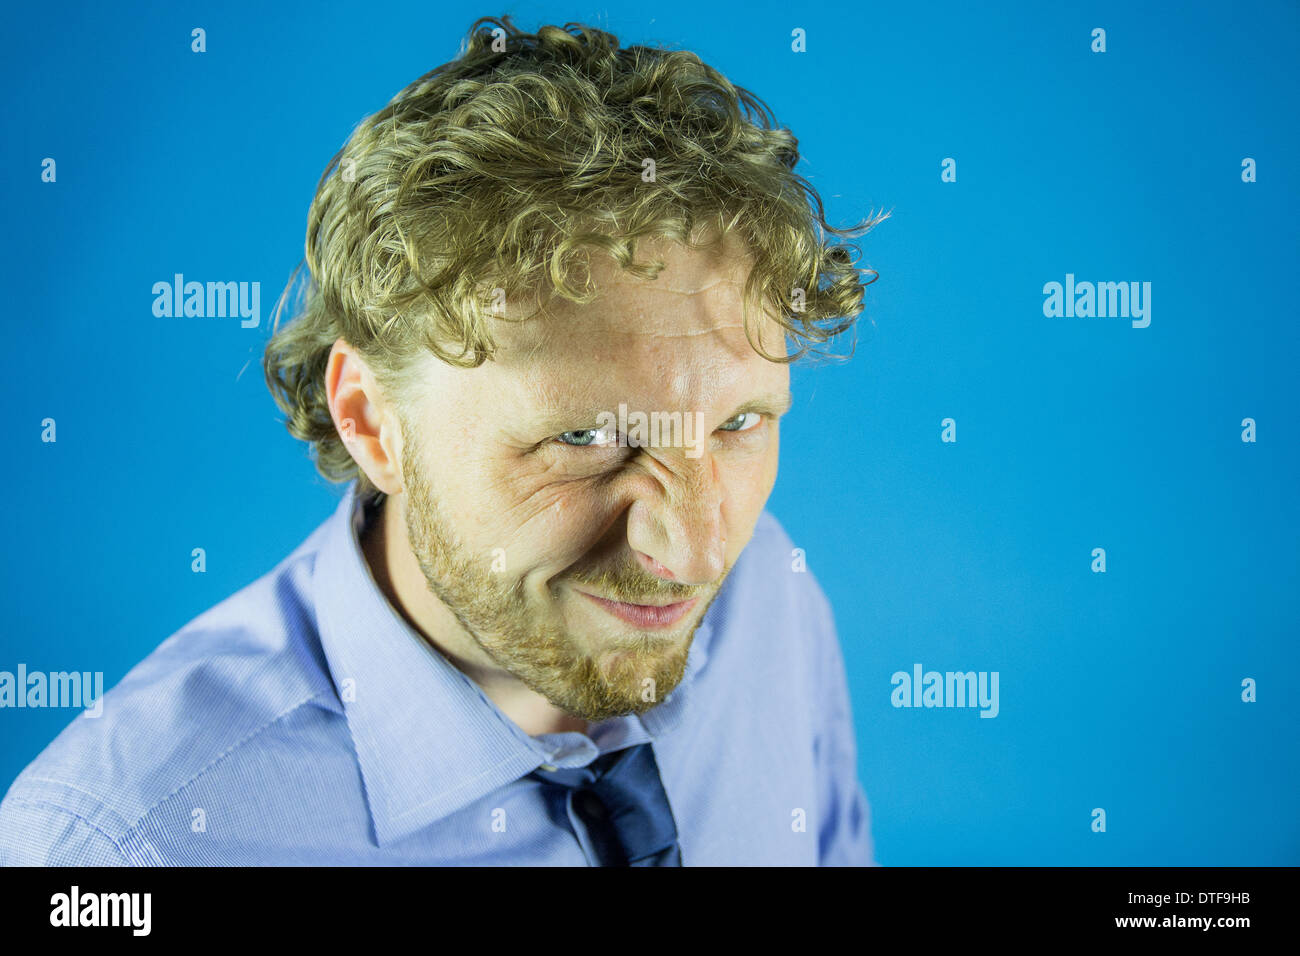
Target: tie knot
(621,799)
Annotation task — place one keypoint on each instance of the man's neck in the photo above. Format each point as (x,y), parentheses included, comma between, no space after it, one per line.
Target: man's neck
(386,549)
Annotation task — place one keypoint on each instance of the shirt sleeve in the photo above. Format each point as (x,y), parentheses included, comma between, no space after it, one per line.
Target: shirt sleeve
(34,833)
(844,838)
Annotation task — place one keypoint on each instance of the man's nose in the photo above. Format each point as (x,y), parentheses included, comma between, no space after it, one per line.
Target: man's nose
(677,529)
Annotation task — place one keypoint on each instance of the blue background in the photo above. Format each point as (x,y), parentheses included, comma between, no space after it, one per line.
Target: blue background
(1119,690)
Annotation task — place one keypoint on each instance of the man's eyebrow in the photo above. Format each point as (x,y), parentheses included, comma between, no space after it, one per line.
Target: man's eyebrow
(583,415)
(773,403)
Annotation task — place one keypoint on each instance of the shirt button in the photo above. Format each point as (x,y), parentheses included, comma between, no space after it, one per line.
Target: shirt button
(548,767)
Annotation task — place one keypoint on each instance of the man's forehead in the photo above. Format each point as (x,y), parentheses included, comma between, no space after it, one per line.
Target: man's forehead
(694,295)
(677,338)
(612,327)
(690,354)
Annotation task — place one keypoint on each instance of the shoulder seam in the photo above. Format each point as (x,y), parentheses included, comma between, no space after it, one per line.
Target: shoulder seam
(222,756)
(129,829)
(28,802)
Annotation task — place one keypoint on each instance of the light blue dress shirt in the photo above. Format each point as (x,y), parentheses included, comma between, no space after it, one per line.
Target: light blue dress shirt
(302,722)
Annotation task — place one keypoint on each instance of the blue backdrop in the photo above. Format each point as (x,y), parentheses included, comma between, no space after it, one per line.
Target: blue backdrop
(1012,151)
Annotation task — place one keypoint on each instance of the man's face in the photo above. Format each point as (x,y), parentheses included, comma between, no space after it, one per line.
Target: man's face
(581,567)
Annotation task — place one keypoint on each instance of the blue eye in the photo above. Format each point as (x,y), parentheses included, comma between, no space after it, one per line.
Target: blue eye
(742,422)
(586,437)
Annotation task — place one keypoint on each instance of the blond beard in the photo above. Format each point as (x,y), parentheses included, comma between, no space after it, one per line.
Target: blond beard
(593,678)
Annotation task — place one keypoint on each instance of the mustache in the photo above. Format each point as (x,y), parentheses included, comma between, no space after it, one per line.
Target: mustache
(633,585)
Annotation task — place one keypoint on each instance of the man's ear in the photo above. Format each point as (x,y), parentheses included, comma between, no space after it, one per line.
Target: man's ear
(365,417)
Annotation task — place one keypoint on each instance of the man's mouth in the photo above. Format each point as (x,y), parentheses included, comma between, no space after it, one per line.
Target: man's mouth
(646,616)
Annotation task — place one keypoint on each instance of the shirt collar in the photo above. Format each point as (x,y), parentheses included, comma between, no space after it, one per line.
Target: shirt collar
(428,740)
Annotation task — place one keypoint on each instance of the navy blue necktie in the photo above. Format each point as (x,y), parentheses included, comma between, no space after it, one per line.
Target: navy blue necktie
(620,798)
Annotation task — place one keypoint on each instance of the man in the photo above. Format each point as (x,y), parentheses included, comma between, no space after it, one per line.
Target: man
(550,622)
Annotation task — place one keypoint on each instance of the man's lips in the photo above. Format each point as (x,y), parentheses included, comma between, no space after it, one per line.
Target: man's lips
(647,616)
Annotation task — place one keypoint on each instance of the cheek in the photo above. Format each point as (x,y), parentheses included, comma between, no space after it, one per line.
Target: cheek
(748,489)
(546,525)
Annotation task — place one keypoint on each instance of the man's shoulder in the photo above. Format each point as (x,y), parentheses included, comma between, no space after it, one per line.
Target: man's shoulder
(198,699)
(771,610)
(773,566)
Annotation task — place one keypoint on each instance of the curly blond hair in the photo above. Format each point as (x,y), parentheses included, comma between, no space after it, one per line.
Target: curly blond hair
(494,173)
